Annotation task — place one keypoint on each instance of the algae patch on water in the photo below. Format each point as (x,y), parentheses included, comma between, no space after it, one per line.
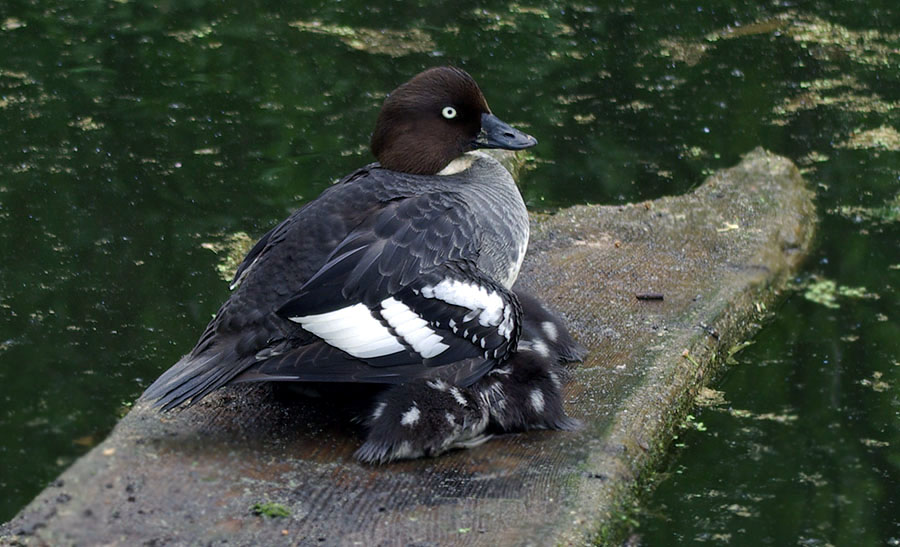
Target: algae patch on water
(889,212)
(232,250)
(395,43)
(881,138)
(826,292)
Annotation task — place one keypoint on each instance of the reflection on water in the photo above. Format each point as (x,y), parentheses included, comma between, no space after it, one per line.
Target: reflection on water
(800,446)
(141,141)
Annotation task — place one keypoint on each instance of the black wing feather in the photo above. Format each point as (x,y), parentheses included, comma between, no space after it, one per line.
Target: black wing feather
(387,253)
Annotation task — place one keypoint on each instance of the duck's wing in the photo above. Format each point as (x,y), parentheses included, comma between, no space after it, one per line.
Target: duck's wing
(398,298)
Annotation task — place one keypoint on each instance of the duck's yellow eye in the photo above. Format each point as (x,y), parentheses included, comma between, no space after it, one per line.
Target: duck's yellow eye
(448,112)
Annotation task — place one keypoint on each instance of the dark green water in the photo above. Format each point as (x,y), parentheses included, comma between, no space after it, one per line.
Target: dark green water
(134,133)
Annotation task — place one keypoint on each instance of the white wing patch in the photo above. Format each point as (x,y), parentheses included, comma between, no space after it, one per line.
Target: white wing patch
(486,305)
(412,328)
(352,329)
(356,330)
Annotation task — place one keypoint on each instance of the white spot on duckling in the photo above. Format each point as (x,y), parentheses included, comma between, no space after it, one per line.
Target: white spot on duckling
(554,377)
(541,348)
(439,385)
(410,417)
(404,450)
(550,330)
(379,409)
(537,346)
(537,400)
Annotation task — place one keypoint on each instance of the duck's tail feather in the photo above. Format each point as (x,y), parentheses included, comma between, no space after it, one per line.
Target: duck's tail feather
(194,377)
